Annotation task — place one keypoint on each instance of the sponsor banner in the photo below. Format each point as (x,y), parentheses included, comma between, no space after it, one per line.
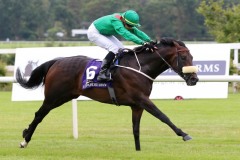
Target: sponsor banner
(211,67)
(211,59)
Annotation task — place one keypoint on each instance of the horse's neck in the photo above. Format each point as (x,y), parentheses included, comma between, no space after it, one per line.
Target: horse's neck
(154,66)
(149,63)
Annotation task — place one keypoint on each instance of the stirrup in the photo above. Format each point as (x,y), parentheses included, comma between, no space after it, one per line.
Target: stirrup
(125,50)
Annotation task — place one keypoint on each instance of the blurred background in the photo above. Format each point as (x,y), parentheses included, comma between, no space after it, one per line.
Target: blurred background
(188,20)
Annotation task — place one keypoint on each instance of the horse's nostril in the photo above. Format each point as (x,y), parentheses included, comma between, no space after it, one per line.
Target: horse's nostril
(194,80)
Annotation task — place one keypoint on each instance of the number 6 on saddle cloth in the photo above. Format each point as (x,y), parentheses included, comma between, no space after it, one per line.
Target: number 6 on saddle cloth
(89,79)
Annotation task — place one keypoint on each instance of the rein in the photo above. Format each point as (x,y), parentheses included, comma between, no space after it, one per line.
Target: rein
(138,71)
(132,69)
(169,64)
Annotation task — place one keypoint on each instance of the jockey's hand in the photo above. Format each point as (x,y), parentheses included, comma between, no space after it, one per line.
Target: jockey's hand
(149,46)
(153,42)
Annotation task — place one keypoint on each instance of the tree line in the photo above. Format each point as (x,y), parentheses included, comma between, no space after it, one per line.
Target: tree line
(42,19)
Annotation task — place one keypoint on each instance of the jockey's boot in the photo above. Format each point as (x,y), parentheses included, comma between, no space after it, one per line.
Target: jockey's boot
(104,67)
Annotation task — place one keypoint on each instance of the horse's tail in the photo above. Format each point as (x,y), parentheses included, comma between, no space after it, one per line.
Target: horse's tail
(37,76)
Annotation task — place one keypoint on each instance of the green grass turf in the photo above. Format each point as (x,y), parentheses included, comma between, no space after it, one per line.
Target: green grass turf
(30,44)
(105,131)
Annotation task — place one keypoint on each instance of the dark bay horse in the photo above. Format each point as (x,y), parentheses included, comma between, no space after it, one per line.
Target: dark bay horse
(132,85)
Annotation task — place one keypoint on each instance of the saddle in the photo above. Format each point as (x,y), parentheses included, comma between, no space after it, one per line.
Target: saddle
(92,70)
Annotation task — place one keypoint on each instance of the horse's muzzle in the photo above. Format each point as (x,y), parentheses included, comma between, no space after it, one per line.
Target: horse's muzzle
(189,75)
(191,79)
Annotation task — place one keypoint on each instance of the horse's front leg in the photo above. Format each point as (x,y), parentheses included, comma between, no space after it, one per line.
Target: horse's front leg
(136,117)
(146,104)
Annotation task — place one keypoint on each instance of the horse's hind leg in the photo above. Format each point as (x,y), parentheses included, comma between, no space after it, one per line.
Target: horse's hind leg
(136,117)
(39,115)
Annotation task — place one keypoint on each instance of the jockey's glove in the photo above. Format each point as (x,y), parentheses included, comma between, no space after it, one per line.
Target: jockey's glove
(149,46)
(153,42)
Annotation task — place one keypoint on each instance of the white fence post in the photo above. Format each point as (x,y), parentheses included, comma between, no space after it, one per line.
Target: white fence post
(235,64)
(75,118)
(235,60)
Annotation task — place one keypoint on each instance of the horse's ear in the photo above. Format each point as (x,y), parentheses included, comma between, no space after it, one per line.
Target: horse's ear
(176,44)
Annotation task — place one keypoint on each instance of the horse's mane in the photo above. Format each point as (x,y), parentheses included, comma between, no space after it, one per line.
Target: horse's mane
(164,42)
(169,42)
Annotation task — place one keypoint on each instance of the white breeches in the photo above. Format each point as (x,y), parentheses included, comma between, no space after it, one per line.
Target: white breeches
(110,43)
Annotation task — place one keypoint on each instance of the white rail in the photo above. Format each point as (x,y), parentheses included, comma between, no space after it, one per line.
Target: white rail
(201,79)
(7,80)
(163,79)
(7,51)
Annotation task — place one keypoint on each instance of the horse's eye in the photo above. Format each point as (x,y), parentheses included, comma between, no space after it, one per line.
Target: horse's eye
(184,58)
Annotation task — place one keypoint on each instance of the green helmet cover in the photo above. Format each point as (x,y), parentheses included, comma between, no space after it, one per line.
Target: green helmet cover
(131,17)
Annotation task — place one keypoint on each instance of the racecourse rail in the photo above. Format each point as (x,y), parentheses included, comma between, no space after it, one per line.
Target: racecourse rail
(234,78)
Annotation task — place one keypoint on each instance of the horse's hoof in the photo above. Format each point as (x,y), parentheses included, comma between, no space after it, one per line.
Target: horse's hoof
(23,144)
(187,138)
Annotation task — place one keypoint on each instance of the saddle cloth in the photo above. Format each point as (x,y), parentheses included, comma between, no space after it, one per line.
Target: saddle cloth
(91,72)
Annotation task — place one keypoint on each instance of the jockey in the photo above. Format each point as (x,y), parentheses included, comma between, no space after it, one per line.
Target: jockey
(102,31)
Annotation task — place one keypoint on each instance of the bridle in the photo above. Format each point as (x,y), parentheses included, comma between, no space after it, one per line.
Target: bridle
(179,62)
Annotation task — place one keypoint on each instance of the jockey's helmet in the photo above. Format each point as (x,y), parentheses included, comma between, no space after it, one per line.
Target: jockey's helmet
(131,17)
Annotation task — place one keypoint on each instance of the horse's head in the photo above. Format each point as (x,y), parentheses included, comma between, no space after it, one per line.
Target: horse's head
(180,60)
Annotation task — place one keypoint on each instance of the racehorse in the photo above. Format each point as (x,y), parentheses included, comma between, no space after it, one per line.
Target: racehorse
(132,80)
